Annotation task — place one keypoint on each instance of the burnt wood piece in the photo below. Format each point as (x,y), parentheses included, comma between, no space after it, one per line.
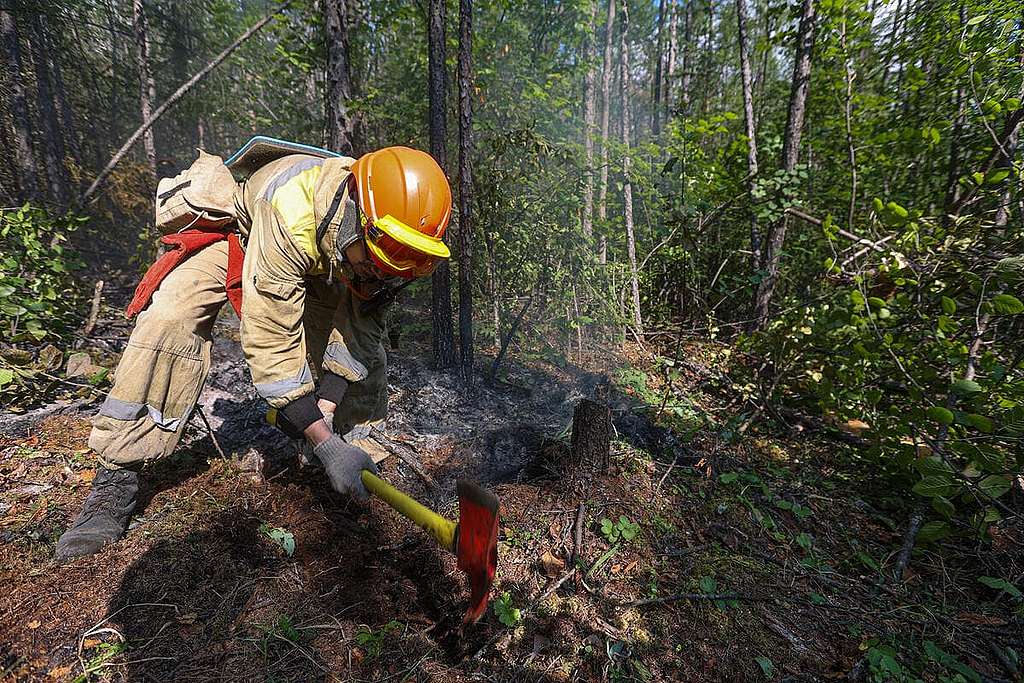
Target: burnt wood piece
(591,436)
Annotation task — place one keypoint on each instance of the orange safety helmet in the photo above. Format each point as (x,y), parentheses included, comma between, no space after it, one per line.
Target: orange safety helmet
(406,200)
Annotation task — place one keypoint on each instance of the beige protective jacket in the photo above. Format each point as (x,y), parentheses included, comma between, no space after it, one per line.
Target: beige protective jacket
(287,270)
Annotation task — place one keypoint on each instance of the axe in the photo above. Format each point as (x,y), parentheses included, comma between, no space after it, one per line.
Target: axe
(473,539)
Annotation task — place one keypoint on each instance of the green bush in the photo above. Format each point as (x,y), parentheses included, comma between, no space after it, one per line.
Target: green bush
(38,299)
(919,348)
(37,295)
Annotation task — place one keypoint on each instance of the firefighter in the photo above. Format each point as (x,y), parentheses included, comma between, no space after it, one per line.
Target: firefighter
(322,237)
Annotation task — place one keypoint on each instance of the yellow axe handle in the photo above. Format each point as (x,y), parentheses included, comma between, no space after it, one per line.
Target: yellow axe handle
(443,530)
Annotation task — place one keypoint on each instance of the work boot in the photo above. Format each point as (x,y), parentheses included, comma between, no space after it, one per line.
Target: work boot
(104,516)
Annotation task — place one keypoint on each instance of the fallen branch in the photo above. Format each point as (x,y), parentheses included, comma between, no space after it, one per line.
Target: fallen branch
(693,596)
(404,453)
(209,430)
(581,513)
(508,338)
(797,213)
(94,310)
(173,99)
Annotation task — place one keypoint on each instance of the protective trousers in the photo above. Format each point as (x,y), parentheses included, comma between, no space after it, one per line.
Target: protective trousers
(164,366)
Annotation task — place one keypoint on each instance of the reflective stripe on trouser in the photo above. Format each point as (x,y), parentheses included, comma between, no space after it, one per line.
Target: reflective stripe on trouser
(164,366)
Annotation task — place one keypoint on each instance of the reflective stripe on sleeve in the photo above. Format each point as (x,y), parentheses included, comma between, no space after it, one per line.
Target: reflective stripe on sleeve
(283,387)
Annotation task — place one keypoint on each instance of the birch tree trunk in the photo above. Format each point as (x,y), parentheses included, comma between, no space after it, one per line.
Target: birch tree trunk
(606,92)
(466,190)
(443,338)
(20,117)
(627,185)
(751,129)
(147,88)
(790,157)
(589,116)
(53,143)
(340,91)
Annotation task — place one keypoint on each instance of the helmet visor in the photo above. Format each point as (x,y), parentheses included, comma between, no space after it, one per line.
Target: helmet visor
(402,250)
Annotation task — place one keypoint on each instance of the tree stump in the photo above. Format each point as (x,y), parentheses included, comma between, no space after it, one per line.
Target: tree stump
(591,436)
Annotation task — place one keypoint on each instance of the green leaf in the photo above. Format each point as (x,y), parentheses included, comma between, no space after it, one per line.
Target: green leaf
(1001,585)
(996,176)
(943,506)
(977,19)
(948,305)
(940,415)
(933,531)
(995,485)
(728,477)
(6,377)
(933,465)
(1007,304)
(6,291)
(282,537)
(767,667)
(966,387)
(980,422)
(934,485)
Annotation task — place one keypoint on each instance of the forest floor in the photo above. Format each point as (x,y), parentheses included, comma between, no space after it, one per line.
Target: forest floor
(762,556)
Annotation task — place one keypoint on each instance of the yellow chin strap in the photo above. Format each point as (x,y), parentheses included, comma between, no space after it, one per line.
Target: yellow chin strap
(406,236)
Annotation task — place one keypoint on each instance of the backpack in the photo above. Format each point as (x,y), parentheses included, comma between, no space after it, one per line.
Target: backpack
(201,196)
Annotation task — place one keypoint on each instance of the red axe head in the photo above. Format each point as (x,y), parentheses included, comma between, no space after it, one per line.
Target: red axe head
(476,546)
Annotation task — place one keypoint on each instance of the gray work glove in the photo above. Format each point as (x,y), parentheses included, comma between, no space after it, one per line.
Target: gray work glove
(343,463)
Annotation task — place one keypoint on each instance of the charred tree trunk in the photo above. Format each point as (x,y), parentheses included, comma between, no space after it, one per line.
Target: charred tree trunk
(590,445)
(748,119)
(20,117)
(341,125)
(441,288)
(790,157)
(627,185)
(606,99)
(147,88)
(466,190)
(589,117)
(53,142)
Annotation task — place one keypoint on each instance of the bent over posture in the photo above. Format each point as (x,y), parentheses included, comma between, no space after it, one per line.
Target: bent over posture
(324,240)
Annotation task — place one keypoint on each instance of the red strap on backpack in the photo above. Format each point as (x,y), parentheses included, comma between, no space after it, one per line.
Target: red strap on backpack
(181,246)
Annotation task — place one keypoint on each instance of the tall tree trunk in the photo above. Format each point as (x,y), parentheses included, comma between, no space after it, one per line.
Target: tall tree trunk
(953,165)
(53,142)
(658,63)
(687,77)
(670,60)
(1006,161)
(67,114)
(606,98)
(627,185)
(147,88)
(790,157)
(466,190)
(748,118)
(437,87)
(589,116)
(18,103)
(340,123)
